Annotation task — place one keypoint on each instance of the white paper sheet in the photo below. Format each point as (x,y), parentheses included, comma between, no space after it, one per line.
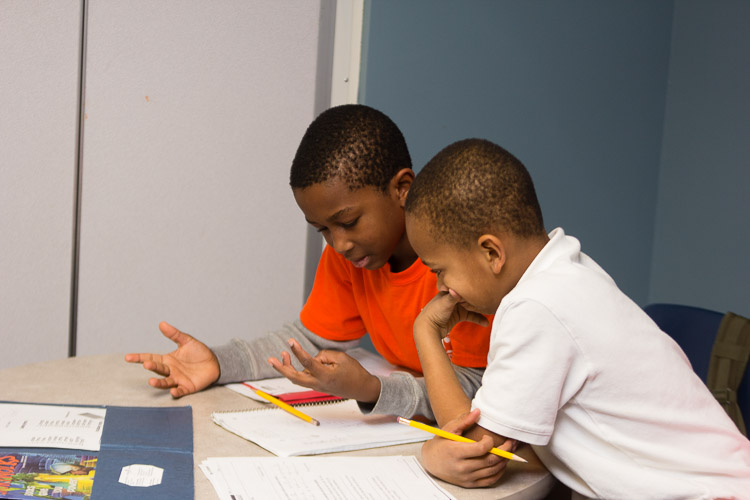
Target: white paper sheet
(321,478)
(51,426)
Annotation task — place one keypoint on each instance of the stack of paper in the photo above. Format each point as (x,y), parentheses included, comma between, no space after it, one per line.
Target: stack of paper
(321,478)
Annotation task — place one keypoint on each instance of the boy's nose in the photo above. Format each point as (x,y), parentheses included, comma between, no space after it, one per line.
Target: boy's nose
(341,244)
(440,285)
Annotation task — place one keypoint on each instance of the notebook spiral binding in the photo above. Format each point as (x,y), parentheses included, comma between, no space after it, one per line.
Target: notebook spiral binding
(271,406)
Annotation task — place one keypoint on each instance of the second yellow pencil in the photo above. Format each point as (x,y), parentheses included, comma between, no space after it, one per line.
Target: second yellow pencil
(456,437)
(294,411)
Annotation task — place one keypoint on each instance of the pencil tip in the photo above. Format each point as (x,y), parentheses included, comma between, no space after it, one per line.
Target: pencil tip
(315,422)
(516,457)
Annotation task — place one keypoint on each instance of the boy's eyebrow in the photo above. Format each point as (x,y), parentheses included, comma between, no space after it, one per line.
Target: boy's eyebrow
(425,263)
(335,216)
(340,213)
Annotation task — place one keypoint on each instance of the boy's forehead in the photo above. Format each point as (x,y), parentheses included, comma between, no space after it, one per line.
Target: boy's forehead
(332,199)
(419,229)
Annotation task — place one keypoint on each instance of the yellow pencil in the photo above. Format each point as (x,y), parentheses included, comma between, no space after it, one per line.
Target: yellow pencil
(456,437)
(284,406)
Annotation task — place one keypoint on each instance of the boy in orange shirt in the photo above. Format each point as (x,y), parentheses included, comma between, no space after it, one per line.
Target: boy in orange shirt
(350,177)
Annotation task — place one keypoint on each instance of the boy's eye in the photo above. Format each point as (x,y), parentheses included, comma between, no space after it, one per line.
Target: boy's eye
(350,224)
(321,229)
(436,272)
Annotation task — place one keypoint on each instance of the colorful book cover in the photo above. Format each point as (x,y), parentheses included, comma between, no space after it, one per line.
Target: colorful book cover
(46,475)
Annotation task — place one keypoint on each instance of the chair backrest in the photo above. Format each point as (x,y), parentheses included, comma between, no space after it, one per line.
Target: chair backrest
(694,329)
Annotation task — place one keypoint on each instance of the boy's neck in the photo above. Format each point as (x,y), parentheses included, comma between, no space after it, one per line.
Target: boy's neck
(403,256)
(521,252)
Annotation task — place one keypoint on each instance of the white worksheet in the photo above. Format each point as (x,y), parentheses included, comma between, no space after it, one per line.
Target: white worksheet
(51,426)
(321,478)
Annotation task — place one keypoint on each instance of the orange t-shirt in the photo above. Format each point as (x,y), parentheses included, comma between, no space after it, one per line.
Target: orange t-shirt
(347,302)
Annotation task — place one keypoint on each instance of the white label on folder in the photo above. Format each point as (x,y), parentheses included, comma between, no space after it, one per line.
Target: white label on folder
(141,475)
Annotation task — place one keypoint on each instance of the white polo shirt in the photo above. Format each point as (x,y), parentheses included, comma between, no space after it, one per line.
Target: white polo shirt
(608,401)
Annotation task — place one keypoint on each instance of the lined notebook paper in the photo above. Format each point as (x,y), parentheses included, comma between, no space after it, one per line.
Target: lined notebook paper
(342,428)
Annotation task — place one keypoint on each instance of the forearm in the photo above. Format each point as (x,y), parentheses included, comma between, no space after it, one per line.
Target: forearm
(241,360)
(405,395)
(447,398)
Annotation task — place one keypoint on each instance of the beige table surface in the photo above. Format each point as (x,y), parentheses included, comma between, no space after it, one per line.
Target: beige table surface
(109,380)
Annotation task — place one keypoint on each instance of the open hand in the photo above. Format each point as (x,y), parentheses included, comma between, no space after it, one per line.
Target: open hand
(333,372)
(466,464)
(188,369)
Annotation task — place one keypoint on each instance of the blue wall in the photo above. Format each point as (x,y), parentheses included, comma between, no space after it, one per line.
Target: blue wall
(575,89)
(702,238)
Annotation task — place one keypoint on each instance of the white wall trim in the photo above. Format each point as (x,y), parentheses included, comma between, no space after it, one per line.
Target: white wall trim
(347,51)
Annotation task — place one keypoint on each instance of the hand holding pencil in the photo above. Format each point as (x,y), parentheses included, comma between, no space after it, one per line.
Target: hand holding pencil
(456,437)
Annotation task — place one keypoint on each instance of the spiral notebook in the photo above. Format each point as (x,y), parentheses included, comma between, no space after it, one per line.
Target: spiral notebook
(342,428)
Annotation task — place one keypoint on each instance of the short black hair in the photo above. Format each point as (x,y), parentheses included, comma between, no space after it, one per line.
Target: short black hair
(474,187)
(353,142)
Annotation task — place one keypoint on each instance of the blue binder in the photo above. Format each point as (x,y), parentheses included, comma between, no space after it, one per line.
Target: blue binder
(156,436)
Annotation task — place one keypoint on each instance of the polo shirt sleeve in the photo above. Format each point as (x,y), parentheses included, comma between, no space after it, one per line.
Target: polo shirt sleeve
(331,310)
(534,369)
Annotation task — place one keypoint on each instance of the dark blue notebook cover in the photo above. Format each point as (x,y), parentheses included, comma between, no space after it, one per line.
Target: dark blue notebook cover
(152,436)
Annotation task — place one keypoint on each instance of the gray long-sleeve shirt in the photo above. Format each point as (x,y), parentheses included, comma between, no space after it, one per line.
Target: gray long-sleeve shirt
(401,393)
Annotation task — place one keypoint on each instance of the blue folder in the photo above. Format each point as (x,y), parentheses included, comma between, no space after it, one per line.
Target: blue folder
(156,436)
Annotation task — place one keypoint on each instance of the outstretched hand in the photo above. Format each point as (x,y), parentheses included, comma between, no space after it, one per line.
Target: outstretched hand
(188,369)
(333,372)
(466,464)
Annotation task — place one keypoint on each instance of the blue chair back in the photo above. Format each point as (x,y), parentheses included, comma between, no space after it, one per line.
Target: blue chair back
(694,329)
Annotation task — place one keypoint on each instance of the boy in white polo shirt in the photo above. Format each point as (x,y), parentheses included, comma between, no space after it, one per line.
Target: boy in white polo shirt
(608,402)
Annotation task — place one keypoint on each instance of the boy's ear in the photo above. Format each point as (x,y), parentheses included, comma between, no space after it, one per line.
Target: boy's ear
(493,251)
(401,182)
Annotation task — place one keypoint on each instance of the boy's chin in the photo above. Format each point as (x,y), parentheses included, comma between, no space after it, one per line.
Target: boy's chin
(480,310)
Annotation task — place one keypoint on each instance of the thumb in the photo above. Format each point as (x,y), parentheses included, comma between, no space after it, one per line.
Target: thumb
(174,334)
(332,357)
(460,424)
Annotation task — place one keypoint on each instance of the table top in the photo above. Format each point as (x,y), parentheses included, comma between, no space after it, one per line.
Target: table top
(109,380)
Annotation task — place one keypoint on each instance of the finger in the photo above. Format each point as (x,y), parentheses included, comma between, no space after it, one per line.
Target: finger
(304,358)
(286,359)
(173,334)
(178,392)
(300,378)
(508,445)
(136,357)
(275,363)
(161,383)
(158,367)
(285,367)
(328,357)
(484,478)
(477,451)
(463,422)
